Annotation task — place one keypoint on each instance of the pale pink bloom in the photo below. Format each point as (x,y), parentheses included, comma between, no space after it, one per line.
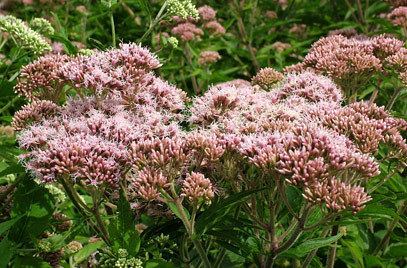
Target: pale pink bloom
(399,16)
(347,32)
(208,57)
(267,77)
(32,113)
(207,13)
(58,48)
(40,79)
(271,14)
(197,188)
(298,29)
(280,46)
(397,3)
(187,31)
(282,3)
(215,28)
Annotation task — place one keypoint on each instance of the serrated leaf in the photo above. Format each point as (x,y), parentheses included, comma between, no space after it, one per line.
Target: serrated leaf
(219,208)
(122,230)
(396,250)
(309,245)
(86,251)
(4,226)
(7,249)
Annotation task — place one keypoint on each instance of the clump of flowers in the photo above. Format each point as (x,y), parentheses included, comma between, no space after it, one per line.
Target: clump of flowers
(208,57)
(187,31)
(348,32)
(397,3)
(121,126)
(188,28)
(280,46)
(352,61)
(207,13)
(182,8)
(24,35)
(298,29)
(267,77)
(288,133)
(398,16)
(42,26)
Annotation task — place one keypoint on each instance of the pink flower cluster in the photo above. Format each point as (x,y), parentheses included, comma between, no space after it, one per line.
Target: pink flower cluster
(398,16)
(188,30)
(102,72)
(89,138)
(208,57)
(350,61)
(300,133)
(397,3)
(130,129)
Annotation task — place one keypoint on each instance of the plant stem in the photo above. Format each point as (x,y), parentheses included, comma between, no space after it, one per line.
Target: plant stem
(360,11)
(393,99)
(311,255)
(281,191)
(113,29)
(243,36)
(98,218)
(191,232)
(332,252)
(386,237)
(297,231)
(156,20)
(188,56)
(10,103)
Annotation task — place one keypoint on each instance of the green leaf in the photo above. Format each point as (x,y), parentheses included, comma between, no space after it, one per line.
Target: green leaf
(397,250)
(122,230)
(219,209)
(4,226)
(7,249)
(37,204)
(376,211)
(355,250)
(12,169)
(86,251)
(159,264)
(309,245)
(30,262)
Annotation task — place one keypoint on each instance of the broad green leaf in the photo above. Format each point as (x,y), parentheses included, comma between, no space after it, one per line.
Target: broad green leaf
(4,226)
(219,208)
(309,245)
(86,251)
(159,264)
(37,204)
(7,250)
(122,230)
(396,250)
(355,250)
(30,262)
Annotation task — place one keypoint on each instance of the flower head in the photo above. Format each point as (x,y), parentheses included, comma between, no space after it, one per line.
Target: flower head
(207,13)
(42,26)
(183,9)
(24,35)
(208,57)
(197,188)
(187,31)
(267,77)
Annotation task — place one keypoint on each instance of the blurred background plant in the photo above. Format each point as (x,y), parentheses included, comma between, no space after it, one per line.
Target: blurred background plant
(199,44)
